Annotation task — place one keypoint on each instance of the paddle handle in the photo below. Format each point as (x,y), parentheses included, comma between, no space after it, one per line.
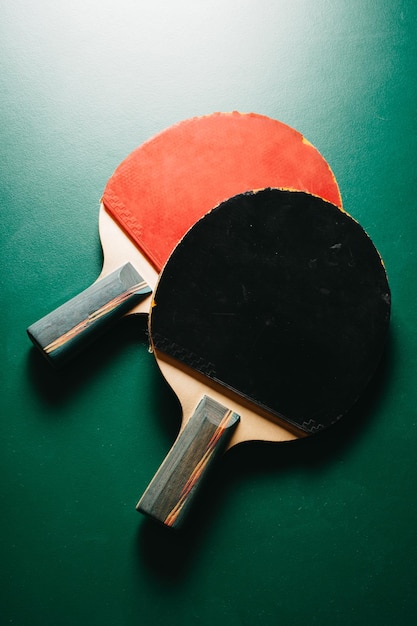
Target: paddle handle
(175,484)
(68,329)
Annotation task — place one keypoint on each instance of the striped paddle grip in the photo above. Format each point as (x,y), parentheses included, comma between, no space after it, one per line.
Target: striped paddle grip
(173,487)
(64,332)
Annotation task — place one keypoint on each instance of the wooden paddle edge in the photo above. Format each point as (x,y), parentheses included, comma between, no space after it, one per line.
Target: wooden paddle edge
(118,249)
(256,423)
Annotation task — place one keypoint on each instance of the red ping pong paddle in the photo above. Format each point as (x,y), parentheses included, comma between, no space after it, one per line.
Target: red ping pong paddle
(157,193)
(269,319)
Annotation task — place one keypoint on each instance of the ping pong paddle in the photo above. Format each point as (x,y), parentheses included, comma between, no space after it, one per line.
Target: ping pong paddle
(269,320)
(154,197)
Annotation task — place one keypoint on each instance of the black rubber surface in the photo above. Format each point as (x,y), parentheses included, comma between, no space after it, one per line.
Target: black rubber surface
(280,296)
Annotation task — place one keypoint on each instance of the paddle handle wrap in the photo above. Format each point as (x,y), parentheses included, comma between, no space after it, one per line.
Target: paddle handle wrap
(175,484)
(68,329)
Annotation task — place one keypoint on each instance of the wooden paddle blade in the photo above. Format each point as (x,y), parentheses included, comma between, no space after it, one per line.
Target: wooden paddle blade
(63,333)
(205,435)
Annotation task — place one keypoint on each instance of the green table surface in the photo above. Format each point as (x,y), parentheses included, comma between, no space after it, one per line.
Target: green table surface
(321,532)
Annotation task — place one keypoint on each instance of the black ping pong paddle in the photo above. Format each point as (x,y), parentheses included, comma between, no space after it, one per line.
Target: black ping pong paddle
(269,319)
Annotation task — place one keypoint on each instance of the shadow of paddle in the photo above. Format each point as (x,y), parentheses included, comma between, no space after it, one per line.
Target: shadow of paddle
(56,386)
